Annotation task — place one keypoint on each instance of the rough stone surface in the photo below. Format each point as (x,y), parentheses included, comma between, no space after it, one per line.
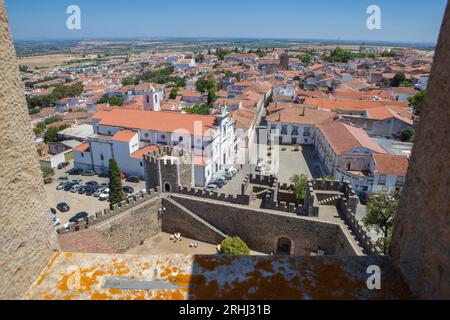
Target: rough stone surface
(421,240)
(75,276)
(261,230)
(27,237)
(133,226)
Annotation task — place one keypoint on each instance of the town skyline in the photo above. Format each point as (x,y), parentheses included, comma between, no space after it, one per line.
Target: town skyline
(346,20)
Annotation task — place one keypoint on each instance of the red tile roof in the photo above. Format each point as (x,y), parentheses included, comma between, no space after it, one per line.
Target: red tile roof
(158,121)
(344,137)
(124,136)
(391,164)
(140,153)
(82,148)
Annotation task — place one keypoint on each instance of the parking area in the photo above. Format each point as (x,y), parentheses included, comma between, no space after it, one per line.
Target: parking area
(79,202)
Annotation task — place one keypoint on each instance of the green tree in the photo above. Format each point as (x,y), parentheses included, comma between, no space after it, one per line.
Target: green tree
(51,135)
(116,101)
(407,134)
(398,79)
(200,58)
(128,81)
(417,102)
(381,210)
(198,109)
(116,194)
(47,172)
(300,183)
(211,97)
(173,93)
(306,59)
(234,246)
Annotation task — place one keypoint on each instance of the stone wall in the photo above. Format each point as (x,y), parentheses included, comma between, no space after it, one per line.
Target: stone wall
(421,239)
(213,195)
(261,230)
(27,237)
(132,227)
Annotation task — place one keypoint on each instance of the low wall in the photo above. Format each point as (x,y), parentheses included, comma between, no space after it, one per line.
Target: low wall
(261,230)
(177,219)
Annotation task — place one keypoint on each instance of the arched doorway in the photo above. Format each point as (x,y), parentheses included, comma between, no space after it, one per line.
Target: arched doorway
(167,187)
(284,246)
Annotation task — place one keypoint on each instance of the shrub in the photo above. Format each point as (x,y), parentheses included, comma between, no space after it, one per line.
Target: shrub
(234,246)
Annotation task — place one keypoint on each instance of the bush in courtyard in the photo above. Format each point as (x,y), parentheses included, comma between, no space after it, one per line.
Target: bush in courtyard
(300,183)
(234,246)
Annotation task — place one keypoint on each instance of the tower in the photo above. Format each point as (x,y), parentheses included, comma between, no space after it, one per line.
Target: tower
(152,100)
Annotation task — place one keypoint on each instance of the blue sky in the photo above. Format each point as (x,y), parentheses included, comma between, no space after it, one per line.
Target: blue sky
(402,20)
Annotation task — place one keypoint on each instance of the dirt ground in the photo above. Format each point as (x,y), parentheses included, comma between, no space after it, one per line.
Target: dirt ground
(162,245)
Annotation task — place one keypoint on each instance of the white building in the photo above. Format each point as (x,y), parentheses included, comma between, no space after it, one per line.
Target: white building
(126,135)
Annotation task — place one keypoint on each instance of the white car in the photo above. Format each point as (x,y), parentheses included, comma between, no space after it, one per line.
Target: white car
(232,170)
(104,195)
(56,221)
(212,186)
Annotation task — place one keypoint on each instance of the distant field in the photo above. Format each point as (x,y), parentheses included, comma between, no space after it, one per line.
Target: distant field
(45,61)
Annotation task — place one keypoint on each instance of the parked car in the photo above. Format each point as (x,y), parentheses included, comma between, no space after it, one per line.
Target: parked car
(63,178)
(56,221)
(99,191)
(48,180)
(63,165)
(88,173)
(63,207)
(75,188)
(212,186)
(104,195)
(79,216)
(143,191)
(259,167)
(82,189)
(69,186)
(75,172)
(229,175)
(128,190)
(103,175)
(92,183)
(62,185)
(231,170)
(133,179)
(364,198)
(90,190)
(53,210)
(218,183)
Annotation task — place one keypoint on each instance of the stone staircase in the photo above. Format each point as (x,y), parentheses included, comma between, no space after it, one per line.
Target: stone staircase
(331,200)
(256,194)
(196,217)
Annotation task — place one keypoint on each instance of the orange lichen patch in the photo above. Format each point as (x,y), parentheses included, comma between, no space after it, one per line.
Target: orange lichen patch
(210,263)
(68,254)
(100,296)
(49,296)
(82,276)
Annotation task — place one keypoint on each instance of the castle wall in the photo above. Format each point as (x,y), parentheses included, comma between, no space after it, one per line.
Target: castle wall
(421,239)
(261,230)
(27,235)
(131,228)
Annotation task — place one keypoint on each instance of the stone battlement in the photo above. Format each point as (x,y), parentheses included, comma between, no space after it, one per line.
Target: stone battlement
(213,195)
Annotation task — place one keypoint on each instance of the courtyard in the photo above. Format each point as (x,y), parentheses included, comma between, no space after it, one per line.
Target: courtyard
(161,244)
(291,162)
